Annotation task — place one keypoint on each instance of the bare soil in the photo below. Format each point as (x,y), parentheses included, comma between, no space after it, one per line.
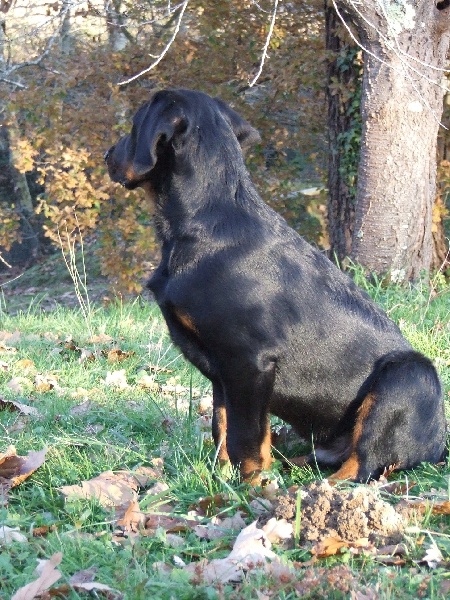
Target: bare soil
(350,514)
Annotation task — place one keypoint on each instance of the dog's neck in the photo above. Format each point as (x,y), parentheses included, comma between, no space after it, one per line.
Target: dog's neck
(191,196)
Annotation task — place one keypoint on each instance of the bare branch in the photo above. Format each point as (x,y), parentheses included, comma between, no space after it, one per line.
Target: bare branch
(164,52)
(37,61)
(266,45)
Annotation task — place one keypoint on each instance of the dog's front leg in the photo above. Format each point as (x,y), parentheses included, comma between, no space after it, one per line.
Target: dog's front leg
(247,397)
(219,423)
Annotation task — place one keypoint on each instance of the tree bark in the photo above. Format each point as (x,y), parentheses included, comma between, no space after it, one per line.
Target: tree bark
(340,91)
(401,108)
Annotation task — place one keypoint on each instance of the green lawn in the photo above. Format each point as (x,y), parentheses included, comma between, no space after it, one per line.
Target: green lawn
(111,392)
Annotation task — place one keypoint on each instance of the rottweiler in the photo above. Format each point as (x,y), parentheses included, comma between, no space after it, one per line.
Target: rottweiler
(273,324)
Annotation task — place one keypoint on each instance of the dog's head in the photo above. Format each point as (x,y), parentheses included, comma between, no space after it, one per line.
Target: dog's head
(165,124)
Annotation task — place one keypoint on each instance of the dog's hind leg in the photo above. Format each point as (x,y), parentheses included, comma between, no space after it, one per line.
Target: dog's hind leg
(400,422)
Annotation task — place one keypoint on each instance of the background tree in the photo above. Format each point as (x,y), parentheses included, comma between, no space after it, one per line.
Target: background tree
(405,48)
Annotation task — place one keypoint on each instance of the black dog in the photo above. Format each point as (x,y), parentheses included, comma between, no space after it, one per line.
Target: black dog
(274,325)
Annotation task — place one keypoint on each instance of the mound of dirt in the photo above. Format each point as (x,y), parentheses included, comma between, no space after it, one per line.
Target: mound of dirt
(350,514)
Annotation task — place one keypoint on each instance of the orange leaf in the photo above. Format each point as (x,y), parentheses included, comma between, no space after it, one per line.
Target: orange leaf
(333,545)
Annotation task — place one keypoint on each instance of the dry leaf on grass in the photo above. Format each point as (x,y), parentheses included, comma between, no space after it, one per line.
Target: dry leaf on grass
(14,469)
(7,349)
(101,338)
(113,489)
(421,505)
(117,379)
(433,557)
(11,337)
(10,534)
(108,488)
(24,409)
(251,549)
(25,364)
(48,575)
(334,545)
(117,355)
(20,384)
(45,383)
(133,518)
(392,555)
(219,528)
(146,381)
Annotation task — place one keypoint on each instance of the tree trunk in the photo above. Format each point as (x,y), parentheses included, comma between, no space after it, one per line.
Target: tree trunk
(342,95)
(401,108)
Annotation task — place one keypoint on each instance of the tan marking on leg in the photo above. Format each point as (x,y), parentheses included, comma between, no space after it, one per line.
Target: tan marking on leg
(362,414)
(350,468)
(221,417)
(266,457)
(251,467)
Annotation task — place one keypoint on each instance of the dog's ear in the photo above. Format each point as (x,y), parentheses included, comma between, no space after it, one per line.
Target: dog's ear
(247,135)
(153,128)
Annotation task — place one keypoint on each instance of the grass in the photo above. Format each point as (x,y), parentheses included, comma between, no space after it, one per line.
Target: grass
(126,428)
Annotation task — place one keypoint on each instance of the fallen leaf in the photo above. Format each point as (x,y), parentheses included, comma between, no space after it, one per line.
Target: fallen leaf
(117,355)
(20,384)
(86,355)
(43,530)
(84,576)
(116,379)
(94,586)
(170,524)
(159,369)
(14,469)
(45,383)
(333,545)
(4,366)
(24,409)
(441,508)
(108,488)
(81,409)
(25,364)
(205,405)
(147,381)
(10,534)
(218,528)
(211,505)
(7,349)
(112,489)
(278,530)
(11,337)
(133,518)
(251,550)
(433,557)
(101,338)
(48,575)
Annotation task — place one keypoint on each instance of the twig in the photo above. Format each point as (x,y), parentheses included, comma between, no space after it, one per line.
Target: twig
(164,52)
(266,45)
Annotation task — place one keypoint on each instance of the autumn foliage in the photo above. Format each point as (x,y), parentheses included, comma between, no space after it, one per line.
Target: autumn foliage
(70,109)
